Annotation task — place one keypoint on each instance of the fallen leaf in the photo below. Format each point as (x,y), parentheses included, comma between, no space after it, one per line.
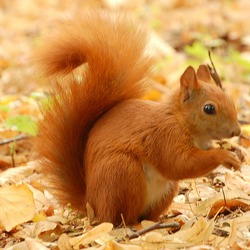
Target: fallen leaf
(35,230)
(14,175)
(16,206)
(32,244)
(41,216)
(204,207)
(220,207)
(90,213)
(235,182)
(91,235)
(153,237)
(198,233)
(236,228)
(113,245)
(63,242)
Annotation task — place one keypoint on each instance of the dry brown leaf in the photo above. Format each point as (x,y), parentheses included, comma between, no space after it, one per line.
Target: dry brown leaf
(204,207)
(200,191)
(153,237)
(41,201)
(113,245)
(90,213)
(14,175)
(201,247)
(245,173)
(182,208)
(28,244)
(238,230)
(220,207)
(91,235)
(58,218)
(16,206)
(198,233)
(63,242)
(19,246)
(32,244)
(37,229)
(237,226)
(235,182)
(4,164)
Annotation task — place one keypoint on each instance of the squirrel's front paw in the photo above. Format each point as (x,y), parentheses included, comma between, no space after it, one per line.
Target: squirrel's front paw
(237,153)
(232,161)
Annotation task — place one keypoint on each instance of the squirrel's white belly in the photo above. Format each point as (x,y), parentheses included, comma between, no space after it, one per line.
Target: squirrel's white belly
(157,186)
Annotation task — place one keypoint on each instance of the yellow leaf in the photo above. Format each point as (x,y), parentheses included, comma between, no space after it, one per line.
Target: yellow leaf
(16,206)
(40,217)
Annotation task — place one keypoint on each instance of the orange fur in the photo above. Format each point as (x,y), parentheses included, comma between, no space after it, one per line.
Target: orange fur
(101,144)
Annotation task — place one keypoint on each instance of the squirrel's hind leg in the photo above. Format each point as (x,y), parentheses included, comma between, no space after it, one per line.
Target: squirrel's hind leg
(116,186)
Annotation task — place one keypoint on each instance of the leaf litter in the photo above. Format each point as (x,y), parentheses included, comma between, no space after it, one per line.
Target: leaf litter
(212,212)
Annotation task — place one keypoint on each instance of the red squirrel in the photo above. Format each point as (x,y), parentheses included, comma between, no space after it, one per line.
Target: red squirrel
(102,144)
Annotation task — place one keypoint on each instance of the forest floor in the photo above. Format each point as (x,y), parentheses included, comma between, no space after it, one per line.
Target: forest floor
(212,211)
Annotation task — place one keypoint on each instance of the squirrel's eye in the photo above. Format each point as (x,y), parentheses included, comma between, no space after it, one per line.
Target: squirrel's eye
(209,109)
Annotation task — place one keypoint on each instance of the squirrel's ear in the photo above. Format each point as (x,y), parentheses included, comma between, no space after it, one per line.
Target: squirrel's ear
(203,74)
(188,79)
(188,82)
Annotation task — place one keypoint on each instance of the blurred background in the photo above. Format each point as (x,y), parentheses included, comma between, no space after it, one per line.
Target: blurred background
(182,33)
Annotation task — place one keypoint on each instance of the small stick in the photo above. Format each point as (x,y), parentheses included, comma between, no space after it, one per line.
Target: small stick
(157,225)
(224,197)
(213,71)
(17,138)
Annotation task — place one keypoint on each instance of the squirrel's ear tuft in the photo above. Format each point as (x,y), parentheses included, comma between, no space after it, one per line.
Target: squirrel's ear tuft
(188,82)
(203,74)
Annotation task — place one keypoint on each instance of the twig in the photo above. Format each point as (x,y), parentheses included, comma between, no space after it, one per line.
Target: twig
(213,71)
(157,225)
(224,197)
(124,224)
(13,159)
(17,138)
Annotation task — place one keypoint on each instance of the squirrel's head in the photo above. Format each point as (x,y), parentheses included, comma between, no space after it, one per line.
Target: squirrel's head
(208,110)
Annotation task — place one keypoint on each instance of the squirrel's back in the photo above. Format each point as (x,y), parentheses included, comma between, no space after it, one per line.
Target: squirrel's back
(113,48)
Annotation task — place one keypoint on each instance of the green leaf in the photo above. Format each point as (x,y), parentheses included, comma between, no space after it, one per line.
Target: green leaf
(4,108)
(197,50)
(22,123)
(235,56)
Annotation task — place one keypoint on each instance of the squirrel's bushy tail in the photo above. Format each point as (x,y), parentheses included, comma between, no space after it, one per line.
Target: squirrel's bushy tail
(113,49)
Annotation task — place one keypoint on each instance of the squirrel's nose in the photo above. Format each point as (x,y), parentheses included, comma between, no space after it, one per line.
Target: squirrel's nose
(236,131)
